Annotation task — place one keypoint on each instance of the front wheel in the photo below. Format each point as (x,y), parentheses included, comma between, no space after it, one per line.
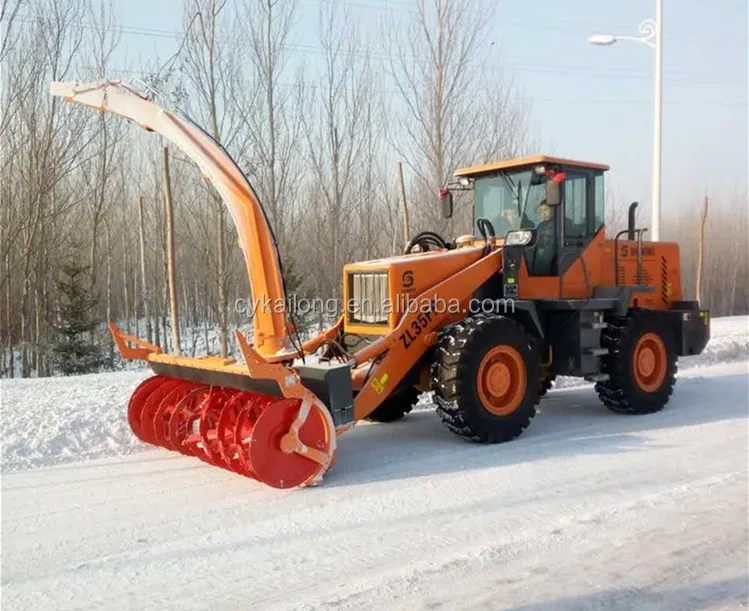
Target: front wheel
(395,407)
(486,379)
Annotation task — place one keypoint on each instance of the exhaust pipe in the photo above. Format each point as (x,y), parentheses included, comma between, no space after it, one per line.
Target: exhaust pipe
(631,221)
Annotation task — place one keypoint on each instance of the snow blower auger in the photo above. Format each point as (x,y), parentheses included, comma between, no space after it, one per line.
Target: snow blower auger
(486,322)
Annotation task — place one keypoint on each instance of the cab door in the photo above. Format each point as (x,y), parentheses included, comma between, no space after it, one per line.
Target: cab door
(582,221)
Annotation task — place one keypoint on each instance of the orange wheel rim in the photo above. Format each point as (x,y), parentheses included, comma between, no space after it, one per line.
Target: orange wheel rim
(501,380)
(650,362)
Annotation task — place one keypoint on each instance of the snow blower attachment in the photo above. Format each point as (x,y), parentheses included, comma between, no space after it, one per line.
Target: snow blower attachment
(486,323)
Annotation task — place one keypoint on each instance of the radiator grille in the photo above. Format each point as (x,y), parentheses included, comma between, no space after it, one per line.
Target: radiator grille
(368,294)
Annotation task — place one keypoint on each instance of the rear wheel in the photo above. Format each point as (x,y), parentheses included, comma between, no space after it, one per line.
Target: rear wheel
(486,379)
(641,365)
(395,407)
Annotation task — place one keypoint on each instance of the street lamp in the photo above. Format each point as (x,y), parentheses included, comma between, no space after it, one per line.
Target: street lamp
(651,34)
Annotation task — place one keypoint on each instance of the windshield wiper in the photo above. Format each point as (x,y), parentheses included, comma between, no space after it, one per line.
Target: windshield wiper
(509,182)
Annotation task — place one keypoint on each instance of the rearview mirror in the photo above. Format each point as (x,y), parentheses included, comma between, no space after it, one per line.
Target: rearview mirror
(446,198)
(538,175)
(553,195)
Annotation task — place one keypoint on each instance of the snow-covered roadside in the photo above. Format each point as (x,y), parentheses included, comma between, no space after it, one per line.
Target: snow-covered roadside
(52,421)
(729,342)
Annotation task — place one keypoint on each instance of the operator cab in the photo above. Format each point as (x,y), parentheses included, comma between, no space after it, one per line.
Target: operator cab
(551,207)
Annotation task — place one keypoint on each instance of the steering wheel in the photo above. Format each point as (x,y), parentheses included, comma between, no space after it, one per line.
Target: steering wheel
(486,228)
(425,239)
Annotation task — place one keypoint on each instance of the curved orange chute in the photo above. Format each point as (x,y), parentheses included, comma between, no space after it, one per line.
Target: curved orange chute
(255,237)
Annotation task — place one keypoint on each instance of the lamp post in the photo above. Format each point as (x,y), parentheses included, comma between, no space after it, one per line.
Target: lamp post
(651,34)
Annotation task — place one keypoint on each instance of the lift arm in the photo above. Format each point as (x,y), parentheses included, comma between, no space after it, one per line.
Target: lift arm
(255,237)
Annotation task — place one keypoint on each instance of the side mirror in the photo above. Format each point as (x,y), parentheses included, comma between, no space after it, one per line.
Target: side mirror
(553,195)
(446,198)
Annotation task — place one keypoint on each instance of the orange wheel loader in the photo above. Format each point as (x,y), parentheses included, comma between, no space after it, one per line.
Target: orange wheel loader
(485,321)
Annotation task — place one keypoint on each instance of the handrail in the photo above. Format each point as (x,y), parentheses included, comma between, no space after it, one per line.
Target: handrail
(639,233)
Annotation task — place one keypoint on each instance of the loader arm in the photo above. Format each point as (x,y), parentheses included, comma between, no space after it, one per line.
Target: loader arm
(271,336)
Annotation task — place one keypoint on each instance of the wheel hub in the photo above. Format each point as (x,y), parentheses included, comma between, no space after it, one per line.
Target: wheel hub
(501,380)
(646,361)
(650,362)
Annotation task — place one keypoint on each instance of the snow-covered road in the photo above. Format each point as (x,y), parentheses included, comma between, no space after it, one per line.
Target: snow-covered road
(588,510)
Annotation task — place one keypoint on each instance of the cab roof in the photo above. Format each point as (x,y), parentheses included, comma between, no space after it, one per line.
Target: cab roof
(488,168)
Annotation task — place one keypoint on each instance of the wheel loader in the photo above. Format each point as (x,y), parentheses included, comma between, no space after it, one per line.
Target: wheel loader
(485,322)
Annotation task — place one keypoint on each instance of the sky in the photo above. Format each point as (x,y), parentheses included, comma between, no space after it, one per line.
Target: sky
(586,102)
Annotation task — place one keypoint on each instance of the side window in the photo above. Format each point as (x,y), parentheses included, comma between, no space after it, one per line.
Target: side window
(575,203)
(600,203)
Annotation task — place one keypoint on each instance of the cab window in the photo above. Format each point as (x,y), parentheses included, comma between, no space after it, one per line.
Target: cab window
(575,201)
(600,203)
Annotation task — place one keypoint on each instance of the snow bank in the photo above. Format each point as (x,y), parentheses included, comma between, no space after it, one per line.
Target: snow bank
(50,421)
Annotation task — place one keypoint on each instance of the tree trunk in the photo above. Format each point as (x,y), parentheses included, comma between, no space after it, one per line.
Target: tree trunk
(24,330)
(110,341)
(37,328)
(700,252)
(222,304)
(125,292)
(171,277)
(406,229)
(143,279)
(11,351)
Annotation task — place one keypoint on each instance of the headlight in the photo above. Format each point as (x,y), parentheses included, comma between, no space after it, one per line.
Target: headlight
(518,238)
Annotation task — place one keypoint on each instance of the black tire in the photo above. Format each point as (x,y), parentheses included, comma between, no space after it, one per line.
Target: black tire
(455,371)
(395,407)
(547,384)
(621,392)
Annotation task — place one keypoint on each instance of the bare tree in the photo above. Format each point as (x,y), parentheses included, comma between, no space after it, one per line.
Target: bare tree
(336,144)
(211,71)
(9,10)
(101,44)
(47,143)
(455,109)
(271,114)
(171,271)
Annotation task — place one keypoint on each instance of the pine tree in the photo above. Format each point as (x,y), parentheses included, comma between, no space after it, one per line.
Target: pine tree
(297,298)
(75,352)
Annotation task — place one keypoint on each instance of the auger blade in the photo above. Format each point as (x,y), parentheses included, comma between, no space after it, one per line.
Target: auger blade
(165,410)
(225,432)
(181,423)
(208,425)
(137,401)
(275,441)
(151,404)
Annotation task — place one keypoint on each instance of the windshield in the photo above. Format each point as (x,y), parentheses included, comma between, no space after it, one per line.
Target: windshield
(509,201)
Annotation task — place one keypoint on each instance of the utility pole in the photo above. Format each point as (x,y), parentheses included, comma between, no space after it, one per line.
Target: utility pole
(173,305)
(658,122)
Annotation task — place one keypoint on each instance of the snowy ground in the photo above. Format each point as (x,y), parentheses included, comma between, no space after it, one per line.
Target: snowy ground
(52,421)
(588,510)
